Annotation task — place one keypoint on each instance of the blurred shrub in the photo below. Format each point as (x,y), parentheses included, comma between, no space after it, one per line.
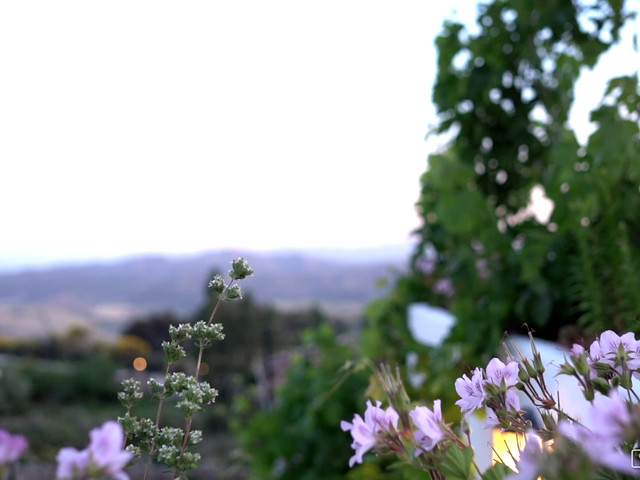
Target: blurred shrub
(62,382)
(300,437)
(50,381)
(15,391)
(94,379)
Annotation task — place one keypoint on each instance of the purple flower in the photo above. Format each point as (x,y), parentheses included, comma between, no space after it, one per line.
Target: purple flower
(497,372)
(365,432)
(428,422)
(470,391)
(426,264)
(595,355)
(609,416)
(528,464)
(577,350)
(634,361)
(612,345)
(611,349)
(492,419)
(601,435)
(611,341)
(595,352)
(444,286)
(511,402)
(596,447)
(71,462)
(11,446)
(106,448)
(104,457)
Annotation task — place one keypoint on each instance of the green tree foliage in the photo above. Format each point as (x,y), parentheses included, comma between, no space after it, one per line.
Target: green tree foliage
(503,96)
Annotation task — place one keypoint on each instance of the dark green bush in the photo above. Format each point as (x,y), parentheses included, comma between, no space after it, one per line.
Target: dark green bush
(62,382)
(15,390)
(300,437)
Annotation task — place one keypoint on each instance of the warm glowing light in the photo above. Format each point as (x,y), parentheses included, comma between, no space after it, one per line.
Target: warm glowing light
(140,364)
(507,447)
(204,369)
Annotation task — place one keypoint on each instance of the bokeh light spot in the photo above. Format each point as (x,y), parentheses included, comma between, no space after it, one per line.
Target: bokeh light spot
(140,364)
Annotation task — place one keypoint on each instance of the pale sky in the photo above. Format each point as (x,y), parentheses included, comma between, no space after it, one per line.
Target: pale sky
(153,126)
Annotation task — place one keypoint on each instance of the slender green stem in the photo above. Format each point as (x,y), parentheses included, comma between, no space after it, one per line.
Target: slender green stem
(158,413)
(189,421)
(222,296)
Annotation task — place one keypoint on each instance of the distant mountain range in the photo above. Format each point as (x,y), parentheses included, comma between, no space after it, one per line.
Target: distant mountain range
(104,295)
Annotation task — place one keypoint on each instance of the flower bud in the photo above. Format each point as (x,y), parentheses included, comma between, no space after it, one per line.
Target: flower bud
(582,365)
(589,394)
(548,421)
(531,370)
(601,385)
(173,352)
(491,389)
(625,380)
(566,369)
(240,269)
(217,284)
(602,368)
(180,333)
(537,363)
(394,389)
(523,374)
(234,292)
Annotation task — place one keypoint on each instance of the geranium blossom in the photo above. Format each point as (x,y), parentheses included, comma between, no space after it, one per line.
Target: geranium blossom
(104,458)
(71,462)
(428,422)
(12,446)
(511,402)
(608,428)
(602,434)
(471,392)
(106,448)
(612,345)
(445,287)
(577,350)
(498,372)
(365,432)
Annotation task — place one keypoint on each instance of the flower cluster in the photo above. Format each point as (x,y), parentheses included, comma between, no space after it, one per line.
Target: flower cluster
(370,432)
(603,432)
(611,361)
(379,430)
(494,389)
(103,459)
(598,445)
(171,445)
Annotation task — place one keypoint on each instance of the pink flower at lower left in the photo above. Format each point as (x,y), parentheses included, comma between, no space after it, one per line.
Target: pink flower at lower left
(105,457)
(12,446)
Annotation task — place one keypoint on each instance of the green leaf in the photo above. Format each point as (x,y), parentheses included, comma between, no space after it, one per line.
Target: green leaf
(498,472)
(457,463)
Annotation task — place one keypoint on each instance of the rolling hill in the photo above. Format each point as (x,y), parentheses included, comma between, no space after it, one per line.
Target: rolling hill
(104,295)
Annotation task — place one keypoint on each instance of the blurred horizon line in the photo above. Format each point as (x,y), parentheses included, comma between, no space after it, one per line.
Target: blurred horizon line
(15,263)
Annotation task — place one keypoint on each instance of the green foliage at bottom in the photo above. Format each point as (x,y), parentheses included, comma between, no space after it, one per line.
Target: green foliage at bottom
(300,437)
